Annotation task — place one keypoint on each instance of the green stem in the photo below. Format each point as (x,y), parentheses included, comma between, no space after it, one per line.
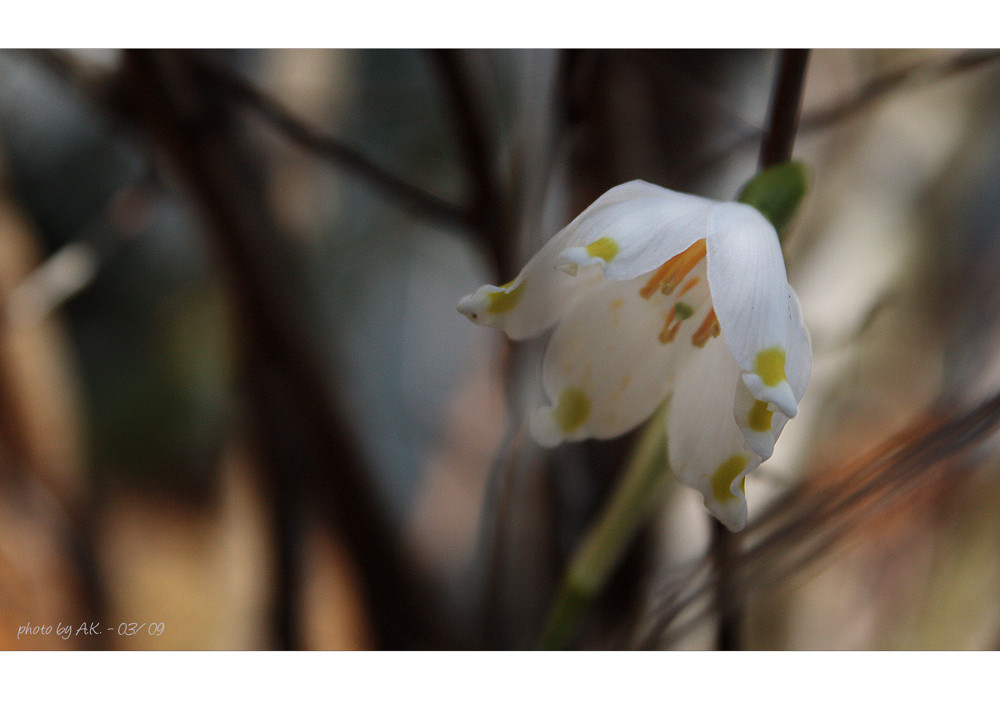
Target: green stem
(642,490)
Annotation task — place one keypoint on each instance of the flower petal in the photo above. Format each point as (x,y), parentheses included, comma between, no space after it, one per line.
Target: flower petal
(634,228)
(534,300)
(799,362)
(753,303)
(760,421)
(545,290)
(706,448)
(606,367)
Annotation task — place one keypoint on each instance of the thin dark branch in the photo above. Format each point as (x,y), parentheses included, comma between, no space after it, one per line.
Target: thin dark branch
(911,77)
(471,127)
(786,100)
(410,196)
(93,82)
(495,532)
(915,76)
(809,523)
(690,93)
(302,441)
(724,548)
(478,149)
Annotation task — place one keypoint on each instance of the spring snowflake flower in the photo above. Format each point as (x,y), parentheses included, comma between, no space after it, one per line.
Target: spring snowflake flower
(655,293)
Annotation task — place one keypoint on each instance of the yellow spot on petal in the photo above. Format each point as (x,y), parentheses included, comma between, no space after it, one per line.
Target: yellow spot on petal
(503,301)
(572,410)
(770,366)
(618,303)
(760,417)
(605,248)
(724,476)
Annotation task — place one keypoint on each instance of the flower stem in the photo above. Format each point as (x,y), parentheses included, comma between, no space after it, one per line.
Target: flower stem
(777,200)
(643,484)
(786,101)
(642,490)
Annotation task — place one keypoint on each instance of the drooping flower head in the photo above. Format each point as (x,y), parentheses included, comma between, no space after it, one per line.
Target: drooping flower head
(655,293)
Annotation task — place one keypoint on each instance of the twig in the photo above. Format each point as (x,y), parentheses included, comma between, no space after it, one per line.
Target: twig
(478,149)
(410,196)
(301,439)
(94,83)
(786,100)
(495,530)
(70,514)
(915,76)
(911,77)
(805,525)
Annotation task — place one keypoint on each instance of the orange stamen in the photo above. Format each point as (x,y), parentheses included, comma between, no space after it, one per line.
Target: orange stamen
(709,329)
(654,282)
(668,334)
(689,286)
(674,270)
(687,262)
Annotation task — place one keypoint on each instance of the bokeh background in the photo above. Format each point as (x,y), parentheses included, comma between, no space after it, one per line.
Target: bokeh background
(236,397)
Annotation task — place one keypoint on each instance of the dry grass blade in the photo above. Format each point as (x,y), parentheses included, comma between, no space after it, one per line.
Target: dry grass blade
(825,512)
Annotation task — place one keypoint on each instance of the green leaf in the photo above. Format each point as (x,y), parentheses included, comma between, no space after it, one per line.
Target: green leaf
(777,192)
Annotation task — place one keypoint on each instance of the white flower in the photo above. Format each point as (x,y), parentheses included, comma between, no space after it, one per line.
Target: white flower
(639,287)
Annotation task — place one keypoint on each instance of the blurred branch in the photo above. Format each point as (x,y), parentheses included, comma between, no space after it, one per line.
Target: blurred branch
(477,147)
(915,76)
(302,440)
(912,77)
(687,92)
(410,196)
(69,520)
(494,530)
(36,419)
(90,79)
(94,82)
